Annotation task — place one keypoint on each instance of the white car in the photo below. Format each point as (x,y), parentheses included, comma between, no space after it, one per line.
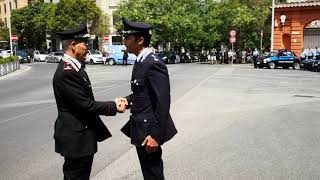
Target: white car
(5,53)
(39,57)
(54,57)
(94,57)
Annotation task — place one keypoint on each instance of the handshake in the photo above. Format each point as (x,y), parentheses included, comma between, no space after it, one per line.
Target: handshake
(122,104)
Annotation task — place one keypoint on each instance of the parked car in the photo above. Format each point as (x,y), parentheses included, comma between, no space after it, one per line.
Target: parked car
(310,64)
(5,53)
(316,66)
(23,56)
(54,57)
(170,57)
(93,57)
(115,55)
(282,58)
(39,56)
(189,57)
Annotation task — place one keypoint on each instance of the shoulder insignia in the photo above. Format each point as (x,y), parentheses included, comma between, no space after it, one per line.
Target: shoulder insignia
(67,66)
(155,58)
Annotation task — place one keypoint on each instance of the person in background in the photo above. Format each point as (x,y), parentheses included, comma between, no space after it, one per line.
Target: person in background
(303,55)
(125,57)
(104,57)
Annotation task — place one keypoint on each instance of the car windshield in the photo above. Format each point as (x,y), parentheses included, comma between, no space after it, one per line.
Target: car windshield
(58,54)
(95,52)
(21,53)
(273,54)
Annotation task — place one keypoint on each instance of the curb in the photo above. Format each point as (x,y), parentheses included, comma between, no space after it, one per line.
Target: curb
(23,68)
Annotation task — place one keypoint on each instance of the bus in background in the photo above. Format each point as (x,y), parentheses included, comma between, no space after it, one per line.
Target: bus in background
(4,45)
(115,50)
(4,49)
(115,40)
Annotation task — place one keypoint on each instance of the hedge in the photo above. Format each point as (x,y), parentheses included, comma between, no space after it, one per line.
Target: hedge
(9,59)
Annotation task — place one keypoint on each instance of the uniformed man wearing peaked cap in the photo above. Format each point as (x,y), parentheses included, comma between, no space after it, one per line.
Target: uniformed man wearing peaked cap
(150,123)
(78,126)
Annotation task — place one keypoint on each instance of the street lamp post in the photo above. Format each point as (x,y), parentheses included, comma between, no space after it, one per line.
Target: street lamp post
(272,26)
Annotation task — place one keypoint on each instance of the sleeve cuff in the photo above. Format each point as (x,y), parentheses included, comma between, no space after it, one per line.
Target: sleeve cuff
(111,108)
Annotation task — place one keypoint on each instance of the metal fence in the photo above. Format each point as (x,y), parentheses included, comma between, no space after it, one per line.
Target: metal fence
(9,67)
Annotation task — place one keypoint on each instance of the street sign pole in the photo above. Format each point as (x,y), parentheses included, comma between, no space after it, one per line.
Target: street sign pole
(232,54)
(232,40)
(10,34)
(261,36)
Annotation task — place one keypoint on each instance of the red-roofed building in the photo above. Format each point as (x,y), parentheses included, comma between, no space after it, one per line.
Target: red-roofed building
(297,25)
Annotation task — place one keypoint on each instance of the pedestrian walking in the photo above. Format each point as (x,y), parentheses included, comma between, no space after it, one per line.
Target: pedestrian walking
(78,126)
(150,123)
(317,53)
(255,57)
(303,55)
(243,56)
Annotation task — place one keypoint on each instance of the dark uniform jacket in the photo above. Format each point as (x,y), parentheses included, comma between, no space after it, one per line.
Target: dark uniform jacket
(149,102)
(78,126)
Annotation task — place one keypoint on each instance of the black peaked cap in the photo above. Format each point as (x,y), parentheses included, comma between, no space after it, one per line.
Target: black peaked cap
(80,32)
(130,27)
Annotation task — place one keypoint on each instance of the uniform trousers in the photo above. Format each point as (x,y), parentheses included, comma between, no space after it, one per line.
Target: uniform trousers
(77,168)
(151,164)
(124,61)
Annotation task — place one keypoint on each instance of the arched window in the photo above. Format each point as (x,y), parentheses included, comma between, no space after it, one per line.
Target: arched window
(311,35)
(313,24)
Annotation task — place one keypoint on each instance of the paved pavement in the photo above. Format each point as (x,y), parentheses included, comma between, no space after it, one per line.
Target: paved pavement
(234,122)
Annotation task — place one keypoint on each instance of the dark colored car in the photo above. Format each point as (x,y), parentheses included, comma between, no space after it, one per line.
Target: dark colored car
(23,56)
(169,57)
(189,57)
(311,65)
(316,66)
(282,58)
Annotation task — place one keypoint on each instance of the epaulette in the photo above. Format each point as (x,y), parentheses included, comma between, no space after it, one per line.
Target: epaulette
(67,66)
(155,57)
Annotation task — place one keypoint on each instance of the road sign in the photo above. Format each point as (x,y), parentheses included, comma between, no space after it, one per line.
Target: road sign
(232,39)
(233,33)
(106,37)
(14,37)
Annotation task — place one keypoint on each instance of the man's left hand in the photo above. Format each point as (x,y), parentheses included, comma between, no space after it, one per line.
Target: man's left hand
(151,144)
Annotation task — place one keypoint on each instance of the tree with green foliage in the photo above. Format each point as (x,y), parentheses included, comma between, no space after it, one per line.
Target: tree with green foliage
(4,32)
(202,23)
(33,22)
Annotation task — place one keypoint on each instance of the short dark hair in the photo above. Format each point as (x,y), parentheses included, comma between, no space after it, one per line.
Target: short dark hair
(146,37)
(66,43)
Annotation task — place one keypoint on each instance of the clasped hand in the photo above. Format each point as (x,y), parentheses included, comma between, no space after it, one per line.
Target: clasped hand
(121,103)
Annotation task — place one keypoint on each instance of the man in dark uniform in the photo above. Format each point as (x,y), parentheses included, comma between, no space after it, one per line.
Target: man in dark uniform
(150,123)
(78,126)
(125,57)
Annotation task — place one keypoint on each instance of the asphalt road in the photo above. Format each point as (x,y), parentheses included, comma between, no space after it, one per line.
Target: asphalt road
(234,122)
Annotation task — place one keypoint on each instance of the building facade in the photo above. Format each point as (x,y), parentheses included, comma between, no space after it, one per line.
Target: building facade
(6,6)
(297,25)
(108,6)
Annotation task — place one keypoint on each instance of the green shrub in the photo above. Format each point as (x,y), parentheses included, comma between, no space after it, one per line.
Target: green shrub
(9,59)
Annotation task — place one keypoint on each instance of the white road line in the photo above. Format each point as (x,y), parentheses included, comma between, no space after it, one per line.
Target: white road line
(50,106)
(25,114)
(27,103)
